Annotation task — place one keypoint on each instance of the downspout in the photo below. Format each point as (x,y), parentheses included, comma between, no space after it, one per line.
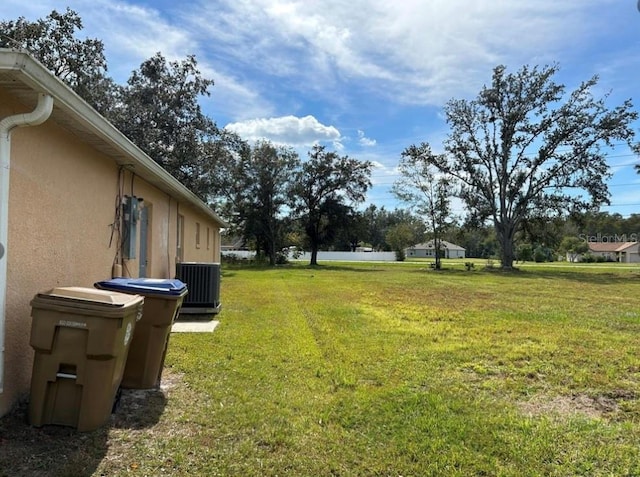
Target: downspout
(39,115)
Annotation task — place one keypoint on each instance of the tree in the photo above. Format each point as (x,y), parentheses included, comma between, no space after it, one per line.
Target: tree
(322,190)
(399,237)
(376,222)
(249,188)
(573,247)
(160,113)
(349,232)
(477,238)
(80,64)
(227,161)
(427,191)
(266,186)
(522,149)
(524,252)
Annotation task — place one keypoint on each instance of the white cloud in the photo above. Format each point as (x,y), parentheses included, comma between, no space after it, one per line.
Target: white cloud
(415,51)
(383,174)
(290,130)
(365,141)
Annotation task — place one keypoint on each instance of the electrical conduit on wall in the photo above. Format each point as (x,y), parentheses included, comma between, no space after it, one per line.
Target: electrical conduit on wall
(39,115)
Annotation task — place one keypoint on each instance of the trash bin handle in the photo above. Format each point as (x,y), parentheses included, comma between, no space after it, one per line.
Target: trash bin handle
(66,375)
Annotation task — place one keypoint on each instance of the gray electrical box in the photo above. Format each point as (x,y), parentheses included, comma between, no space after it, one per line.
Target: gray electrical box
(130,216)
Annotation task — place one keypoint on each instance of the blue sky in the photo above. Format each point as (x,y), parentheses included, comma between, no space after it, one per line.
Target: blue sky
(368,78)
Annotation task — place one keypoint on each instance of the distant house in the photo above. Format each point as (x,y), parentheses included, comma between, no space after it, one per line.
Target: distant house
(428,250)
(623,252)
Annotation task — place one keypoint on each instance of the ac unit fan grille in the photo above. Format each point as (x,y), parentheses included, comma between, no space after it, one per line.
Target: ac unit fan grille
(203,283)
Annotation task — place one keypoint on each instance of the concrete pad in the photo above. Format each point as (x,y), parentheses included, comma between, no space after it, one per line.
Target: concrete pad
(194,326)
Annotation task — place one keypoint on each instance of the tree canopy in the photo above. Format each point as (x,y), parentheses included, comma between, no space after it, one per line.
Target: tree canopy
(251,186)
(427,191)
(523,148)
(158,108)
(322,189)
(527,157)
(159,111)
(79,63)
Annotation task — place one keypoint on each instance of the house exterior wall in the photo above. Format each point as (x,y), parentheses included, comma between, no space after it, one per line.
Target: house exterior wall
(612,256)
(627,256)
(630,254)
(201,239)
(420,252)
(54,196)
(621,252)
(62,204)
(431,253)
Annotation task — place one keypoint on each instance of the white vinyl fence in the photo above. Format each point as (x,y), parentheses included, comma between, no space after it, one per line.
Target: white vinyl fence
(326,256)
(350,256)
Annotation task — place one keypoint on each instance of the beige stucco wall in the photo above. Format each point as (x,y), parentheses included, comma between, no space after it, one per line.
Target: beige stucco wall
(63,197)
(161,231)
(162,240)
(207,248)
(61,204)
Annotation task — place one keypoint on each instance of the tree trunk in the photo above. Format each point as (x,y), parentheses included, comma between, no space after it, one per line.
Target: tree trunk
(314,240)
(437,244)
(505,237)
(272,254)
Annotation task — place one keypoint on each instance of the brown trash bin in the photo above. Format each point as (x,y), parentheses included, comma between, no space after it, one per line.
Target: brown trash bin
(162,302)
(81,337)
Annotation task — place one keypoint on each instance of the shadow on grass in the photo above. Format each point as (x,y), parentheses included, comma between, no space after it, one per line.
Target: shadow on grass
(27,451)
(139,409)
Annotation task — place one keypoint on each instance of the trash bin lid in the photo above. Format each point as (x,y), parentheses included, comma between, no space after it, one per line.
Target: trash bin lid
(155,286)
(87,299)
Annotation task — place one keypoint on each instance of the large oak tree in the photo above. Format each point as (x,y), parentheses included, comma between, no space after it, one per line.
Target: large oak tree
(524,148)
(159,111)
(323,190)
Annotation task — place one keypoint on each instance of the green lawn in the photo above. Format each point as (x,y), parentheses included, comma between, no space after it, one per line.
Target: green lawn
(399,370)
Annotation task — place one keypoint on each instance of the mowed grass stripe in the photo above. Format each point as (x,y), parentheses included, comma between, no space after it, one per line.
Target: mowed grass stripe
(266,399)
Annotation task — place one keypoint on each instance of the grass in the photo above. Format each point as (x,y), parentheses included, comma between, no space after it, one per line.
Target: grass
(382,370)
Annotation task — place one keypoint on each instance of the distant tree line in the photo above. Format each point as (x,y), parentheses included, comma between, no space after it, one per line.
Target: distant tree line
(525,157)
